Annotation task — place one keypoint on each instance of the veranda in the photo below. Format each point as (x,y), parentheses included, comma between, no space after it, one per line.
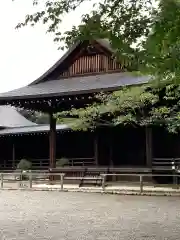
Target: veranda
(120,147)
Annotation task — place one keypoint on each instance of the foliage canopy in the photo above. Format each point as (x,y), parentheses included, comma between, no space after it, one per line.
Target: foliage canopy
(143,33)
(137,106)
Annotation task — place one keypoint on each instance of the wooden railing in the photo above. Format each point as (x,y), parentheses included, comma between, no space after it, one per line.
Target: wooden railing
(81,161)
(44,163)
(33,178)
(165,163)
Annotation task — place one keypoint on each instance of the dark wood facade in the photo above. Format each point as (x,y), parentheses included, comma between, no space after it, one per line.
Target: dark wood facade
(92,64)
(110,147)
(118,147)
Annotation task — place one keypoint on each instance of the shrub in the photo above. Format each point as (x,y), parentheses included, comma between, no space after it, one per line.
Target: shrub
(24,165)
(62,162)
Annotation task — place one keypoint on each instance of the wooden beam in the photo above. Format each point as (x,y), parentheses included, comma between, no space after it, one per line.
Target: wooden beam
(148,147)
(111,150)
(96,149)
(13,156)
(113,178)
(52,142)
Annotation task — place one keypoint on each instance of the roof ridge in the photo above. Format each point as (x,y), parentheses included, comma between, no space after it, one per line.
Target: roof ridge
(104,42)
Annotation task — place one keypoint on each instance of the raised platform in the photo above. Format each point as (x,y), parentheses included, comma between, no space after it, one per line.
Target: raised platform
(88,173)
(102,169)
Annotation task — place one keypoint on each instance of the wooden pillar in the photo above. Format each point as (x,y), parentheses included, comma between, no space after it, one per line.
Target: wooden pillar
(52,142)
(112,178)
(148,147)
(96,149)
(13,156)
(111,149)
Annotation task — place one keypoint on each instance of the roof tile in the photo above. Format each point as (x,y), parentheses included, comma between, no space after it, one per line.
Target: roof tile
(75,85)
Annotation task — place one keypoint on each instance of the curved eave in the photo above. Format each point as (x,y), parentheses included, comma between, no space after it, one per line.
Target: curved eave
(33,130)
(75,86)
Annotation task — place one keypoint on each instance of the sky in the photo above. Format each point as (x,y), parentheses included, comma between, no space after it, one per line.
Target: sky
(25,54)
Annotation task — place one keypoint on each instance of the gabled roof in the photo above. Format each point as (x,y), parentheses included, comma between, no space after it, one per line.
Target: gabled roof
(10,117)
(75,85)
(47,86)
(103,42)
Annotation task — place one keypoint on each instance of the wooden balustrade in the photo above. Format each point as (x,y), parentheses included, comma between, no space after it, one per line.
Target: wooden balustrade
(33,178)
(44,163)
(165,163)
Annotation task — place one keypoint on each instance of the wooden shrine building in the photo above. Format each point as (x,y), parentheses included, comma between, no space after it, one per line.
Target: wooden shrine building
(84,70)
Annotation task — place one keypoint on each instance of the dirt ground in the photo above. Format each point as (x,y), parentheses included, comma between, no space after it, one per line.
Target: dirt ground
(87,216)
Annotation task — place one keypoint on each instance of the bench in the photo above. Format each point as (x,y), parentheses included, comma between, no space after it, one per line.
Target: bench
(97,180)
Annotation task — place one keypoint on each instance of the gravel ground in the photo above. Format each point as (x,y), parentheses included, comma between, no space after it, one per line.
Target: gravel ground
(70,216)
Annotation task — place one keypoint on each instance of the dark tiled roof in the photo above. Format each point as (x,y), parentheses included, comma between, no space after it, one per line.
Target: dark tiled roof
(32,129)
(75,85)
(10,117)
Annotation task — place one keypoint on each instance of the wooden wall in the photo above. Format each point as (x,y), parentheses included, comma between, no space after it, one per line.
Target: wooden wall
(91,64)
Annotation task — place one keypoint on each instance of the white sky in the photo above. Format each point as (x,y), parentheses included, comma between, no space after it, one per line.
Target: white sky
(26,53)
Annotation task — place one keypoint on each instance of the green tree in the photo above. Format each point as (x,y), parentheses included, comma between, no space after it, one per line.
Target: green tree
(123,22)
(148,105)
(143,33)
(34,116)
